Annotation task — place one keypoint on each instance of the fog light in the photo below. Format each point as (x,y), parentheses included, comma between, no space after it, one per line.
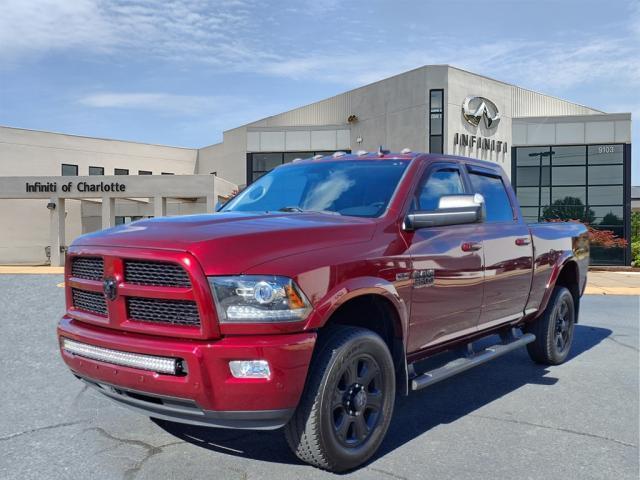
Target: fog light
(171,366)
(250,368)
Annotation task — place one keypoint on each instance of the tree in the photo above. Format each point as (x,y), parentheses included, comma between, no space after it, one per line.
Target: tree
(611,219)
(569,208)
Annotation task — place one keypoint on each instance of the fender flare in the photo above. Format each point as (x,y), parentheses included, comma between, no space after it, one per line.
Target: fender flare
(558,267)
(358,287)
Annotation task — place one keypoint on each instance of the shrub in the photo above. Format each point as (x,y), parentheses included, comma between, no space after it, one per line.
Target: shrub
(635,253)
(603,238)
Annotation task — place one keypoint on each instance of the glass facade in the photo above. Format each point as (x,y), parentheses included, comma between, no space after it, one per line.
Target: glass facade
(577,182)
(436,121)
(260,163)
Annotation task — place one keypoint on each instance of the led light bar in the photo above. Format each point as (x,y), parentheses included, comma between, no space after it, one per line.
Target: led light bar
(170,366)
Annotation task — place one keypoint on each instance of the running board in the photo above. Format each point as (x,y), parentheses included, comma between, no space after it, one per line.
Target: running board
(460,365)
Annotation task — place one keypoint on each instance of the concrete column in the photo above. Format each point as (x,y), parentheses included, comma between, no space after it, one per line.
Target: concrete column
(56,231)
(159,206)
(108,212)
(211,203)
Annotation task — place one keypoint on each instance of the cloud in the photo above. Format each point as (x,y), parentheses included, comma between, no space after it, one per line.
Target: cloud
(210,30)
(243,36)
(539,65)
(42,25)
(161,102)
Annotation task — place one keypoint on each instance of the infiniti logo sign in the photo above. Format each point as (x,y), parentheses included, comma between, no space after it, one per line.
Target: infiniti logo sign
(474,109)
(110,288)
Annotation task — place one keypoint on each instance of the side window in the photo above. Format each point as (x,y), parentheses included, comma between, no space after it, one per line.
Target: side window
(446,181)
(497,204)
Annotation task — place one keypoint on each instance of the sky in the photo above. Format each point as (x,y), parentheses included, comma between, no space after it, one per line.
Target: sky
(180,72)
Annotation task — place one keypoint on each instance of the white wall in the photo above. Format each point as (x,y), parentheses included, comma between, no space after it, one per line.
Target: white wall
(29,152)
(25,223)
(572,129)
(298,139)
(208,159)
(462,84)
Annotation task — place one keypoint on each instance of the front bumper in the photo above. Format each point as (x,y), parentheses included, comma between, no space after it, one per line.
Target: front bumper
(207,394)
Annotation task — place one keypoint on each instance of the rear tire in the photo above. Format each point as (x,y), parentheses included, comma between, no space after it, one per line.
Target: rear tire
(346,407)
(553,329)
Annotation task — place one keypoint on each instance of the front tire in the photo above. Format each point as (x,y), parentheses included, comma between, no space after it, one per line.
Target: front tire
(554,329)
(346,407)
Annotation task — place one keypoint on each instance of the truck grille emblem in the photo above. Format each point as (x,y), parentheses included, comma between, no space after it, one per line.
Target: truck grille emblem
(110,288)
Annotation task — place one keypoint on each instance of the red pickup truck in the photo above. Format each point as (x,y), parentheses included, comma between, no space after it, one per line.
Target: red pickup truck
(307,301)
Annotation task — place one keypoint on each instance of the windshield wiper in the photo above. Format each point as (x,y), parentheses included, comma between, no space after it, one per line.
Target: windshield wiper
(301,210)
(290,209)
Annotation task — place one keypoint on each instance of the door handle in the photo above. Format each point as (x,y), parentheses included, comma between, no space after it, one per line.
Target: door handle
(471,246)
(522,241)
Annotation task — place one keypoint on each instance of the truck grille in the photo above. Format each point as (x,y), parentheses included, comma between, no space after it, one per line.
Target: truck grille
(91,268)
(159,295)
(171,312)
(89,302)
(158,274)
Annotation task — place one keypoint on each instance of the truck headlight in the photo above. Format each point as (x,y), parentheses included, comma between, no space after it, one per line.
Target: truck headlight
(258,298)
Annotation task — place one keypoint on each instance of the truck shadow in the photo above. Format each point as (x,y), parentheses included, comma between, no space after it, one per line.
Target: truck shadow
(414,415)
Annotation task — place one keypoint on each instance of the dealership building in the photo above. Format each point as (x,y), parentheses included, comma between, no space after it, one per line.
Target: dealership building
(566,161)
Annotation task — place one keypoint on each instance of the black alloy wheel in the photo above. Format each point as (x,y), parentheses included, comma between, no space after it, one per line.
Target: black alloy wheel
(563,326)
(347,403)
(357,401)
(554,329)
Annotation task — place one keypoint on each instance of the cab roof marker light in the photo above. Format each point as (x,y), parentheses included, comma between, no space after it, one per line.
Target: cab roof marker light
(405,151)
(317,157)
(339,154)
(361,153)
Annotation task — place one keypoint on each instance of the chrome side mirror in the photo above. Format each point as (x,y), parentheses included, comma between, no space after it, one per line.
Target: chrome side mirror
(452,210)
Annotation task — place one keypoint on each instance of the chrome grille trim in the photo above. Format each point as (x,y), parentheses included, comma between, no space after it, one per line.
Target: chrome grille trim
(170,312)
(158,274)
(91,302)
(90,268)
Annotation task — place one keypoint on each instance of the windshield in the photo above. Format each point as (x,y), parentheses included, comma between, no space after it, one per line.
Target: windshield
(359,188)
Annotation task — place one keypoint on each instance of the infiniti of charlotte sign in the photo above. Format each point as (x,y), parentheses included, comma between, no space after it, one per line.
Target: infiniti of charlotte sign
(477,110)
(110,186)
(82,187)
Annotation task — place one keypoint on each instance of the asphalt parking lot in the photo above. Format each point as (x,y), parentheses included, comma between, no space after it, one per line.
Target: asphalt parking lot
(506,419)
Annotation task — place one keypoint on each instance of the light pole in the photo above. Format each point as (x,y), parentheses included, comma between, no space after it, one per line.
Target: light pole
(547,153)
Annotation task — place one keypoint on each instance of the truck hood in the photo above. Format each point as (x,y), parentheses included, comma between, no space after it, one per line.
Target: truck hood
(231,243)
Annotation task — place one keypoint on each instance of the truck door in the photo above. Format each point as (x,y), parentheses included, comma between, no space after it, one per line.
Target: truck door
(507,247)
(447,266)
